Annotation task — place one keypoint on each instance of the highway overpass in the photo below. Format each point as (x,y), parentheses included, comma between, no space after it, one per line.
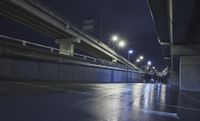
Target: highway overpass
(34,15)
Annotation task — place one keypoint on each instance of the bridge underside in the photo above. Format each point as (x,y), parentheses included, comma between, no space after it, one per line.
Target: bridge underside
(177,23)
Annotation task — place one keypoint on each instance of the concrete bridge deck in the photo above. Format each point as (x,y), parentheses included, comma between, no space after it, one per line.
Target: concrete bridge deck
(61,101)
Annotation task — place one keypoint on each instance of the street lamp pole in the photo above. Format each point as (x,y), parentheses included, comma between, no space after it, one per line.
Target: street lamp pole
(129,52)
(114,40)
(128,56)
(127,71)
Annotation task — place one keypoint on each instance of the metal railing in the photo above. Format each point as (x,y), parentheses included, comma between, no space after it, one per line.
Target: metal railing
(56,50)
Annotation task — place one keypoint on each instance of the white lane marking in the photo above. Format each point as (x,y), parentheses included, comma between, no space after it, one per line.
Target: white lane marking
(181,107)
(58,89)
(161,113)
(47,87)
(194,98)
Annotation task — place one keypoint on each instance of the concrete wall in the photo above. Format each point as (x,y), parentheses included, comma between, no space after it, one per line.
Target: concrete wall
(190,73)
(39,70)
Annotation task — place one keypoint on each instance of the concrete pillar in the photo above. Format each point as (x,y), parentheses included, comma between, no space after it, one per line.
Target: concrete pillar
(190,73)
(67,46)
(183,65)
(114,60)
(174,79)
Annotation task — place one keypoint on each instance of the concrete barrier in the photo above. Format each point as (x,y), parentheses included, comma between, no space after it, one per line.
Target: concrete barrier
(5,67)
(22,69)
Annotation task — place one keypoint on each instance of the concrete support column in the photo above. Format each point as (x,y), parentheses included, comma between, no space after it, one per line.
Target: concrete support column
(174,79)
(184,63)
(114,60)
(67,46)
(190,73)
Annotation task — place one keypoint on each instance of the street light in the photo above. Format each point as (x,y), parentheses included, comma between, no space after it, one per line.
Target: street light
(153,67)
(149,63)
(138,60)
(129,52)
(141,57)
(121,44)
(115,38)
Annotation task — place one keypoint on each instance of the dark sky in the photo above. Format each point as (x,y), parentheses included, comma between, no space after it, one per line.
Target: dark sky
(128,18)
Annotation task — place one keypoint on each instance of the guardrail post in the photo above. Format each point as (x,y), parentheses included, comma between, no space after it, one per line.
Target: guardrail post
(84,57)
(51,49)
(24,43)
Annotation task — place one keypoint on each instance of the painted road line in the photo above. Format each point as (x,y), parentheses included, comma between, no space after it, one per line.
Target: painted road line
(194,98)
(161,113)
(47,87)
(181,107)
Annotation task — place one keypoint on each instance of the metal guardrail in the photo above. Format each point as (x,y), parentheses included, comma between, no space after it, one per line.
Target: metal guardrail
(56,50)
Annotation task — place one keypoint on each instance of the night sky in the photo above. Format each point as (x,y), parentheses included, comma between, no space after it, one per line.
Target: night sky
(130,19)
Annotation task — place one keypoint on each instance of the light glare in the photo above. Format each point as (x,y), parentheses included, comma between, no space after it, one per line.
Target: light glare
(138,60)
(149,63)
(141,57)
(114,38)
(130,51)
(122,44)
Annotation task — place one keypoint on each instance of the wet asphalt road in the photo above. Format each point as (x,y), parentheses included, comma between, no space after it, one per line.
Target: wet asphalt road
(60,101)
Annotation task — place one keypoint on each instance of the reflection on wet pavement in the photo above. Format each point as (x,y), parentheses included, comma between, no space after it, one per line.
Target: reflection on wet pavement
(60,101)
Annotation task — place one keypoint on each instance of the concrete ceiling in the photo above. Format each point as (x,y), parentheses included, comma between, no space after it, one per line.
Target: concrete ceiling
(186,22)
